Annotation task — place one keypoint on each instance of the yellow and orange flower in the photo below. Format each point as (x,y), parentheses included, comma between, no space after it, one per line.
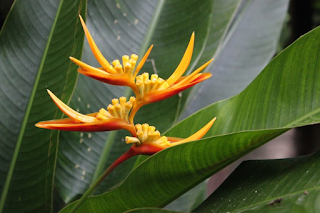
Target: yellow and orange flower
(115,74)
(156,89)
(114,118)
(149,141)
(147,90)
(145,139)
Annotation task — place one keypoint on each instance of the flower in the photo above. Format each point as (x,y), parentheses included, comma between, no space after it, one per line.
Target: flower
(147,90)
(149,141)
(156,89)
(145,139)
(115,117)
(115,74)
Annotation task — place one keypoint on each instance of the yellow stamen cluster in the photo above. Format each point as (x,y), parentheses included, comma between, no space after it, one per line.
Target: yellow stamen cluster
(127,67)
(147,134)
(119,108)
(145,84)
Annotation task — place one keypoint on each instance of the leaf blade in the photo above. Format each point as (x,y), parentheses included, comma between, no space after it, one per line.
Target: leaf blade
(32,38)
(293,180)
(246,50)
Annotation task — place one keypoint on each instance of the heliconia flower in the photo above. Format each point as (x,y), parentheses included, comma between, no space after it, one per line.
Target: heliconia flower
(157,89)
(115,74)
(114,118)
(147,90)
(149,141)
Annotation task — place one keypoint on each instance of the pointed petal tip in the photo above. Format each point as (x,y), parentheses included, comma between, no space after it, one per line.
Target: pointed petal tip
(184,63)
(143,60)
(38,125)
(198,135)
(81,20)
(43,125)
(193,35)
(51,94)
(211,122)
(72,59)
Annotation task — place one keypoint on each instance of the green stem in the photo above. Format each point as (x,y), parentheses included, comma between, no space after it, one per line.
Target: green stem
(130,153)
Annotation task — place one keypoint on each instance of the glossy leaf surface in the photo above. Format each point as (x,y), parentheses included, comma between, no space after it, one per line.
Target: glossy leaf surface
(284,95)
(36,41)
(286,185)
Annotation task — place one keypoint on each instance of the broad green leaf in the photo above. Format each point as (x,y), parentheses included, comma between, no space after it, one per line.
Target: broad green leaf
(255,186)
(284,95)
(157,181)
(130,28)
(36,41)
(249,46)
(223,13)
(151,210)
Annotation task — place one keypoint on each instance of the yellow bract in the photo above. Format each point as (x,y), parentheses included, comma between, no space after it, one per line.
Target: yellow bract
(147,134)
(119,108)
(146,85)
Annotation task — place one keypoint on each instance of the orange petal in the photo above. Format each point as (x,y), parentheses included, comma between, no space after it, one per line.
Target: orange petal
(70,112)
(189,77)
(143,60)
(96,52)
(116,79)
(68,124)
(184,63)
(86,66)
(158,95)
(198,135)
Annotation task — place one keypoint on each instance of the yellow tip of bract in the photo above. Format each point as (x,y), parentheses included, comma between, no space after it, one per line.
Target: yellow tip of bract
(143,60)
(198,135)
(96,52)
(184,63)
(70,112)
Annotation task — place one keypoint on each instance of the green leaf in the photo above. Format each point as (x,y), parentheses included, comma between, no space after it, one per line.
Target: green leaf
(82,156)
(257,186)
(151,210)
(249,46)
(284,95)
(36,41)
(157,181)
